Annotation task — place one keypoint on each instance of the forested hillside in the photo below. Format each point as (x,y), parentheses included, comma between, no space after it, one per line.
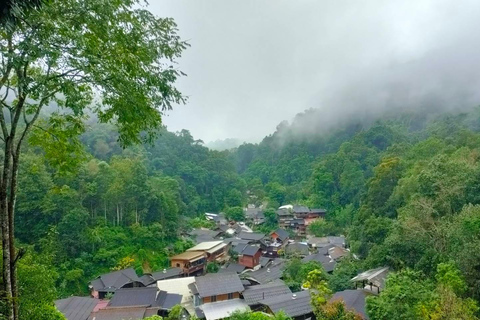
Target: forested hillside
(119,207)
(403,189)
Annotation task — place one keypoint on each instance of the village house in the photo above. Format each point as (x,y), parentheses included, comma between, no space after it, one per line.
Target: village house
(203,235)
(215,287)
(76,308)
(150,279)
(298,217)
(254,294)
(191,262)
(110,282)
(254,215)
(372,280)
(183,287)
(222,309)
(295,305)
(355,300)
(327,263)
(215,250)
(250,257)
(149,297)
(297,249)
(123,313)
(271,273)
(279,238)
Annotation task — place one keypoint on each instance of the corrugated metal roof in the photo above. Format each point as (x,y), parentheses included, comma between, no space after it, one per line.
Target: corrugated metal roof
(254,294)
(76,308)
(293,307)
(178,286)
(189,255)
(204,246)
(223,309)
(218,283)
(376,276)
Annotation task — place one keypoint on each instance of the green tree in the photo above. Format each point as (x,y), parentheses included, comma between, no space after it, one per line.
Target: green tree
(68,53)
(235,214)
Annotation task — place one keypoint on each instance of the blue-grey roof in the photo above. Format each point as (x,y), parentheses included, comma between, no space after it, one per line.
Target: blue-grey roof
(327,263)
(293,306)
(354,300)
(147,297)
(76,308)
(214,284)
(150,278)
(266,275)
(251,236)
(250,250)
(233,267)
(115,280)
(254,294)
(167,301)
(282,234)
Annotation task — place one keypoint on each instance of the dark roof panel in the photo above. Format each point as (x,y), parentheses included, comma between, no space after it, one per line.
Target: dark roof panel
(129,313)
(282,234)
(354,300)
(218,283)
(254,294)
(115,280)
(76,308)
(266,275)
(167,301)
(250,250)
(251,236)
(134,297)
(293,306)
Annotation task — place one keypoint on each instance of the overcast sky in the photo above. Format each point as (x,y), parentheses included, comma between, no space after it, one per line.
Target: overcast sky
(255,63)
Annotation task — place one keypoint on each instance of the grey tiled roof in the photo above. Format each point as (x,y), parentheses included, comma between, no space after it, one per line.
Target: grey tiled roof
(76,308)
(266,275)
(264,261)
(127,313)
(251,236)
(293,307)
(250,250)
(167,301)
(218,283)
(282,234)
(235,267)
(325,261)
(254,294)
(115,280)
(354,300)
(239,248)
(150,278)
(147,297)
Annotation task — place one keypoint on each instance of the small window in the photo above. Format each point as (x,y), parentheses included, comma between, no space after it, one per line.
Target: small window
(214,298)
(178,265)
(230,296)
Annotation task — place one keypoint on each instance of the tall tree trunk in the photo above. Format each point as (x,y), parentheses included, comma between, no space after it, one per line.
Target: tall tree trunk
(6,252)
(11,228)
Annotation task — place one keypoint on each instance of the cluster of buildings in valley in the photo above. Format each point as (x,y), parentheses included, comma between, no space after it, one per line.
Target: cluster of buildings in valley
(249,278)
